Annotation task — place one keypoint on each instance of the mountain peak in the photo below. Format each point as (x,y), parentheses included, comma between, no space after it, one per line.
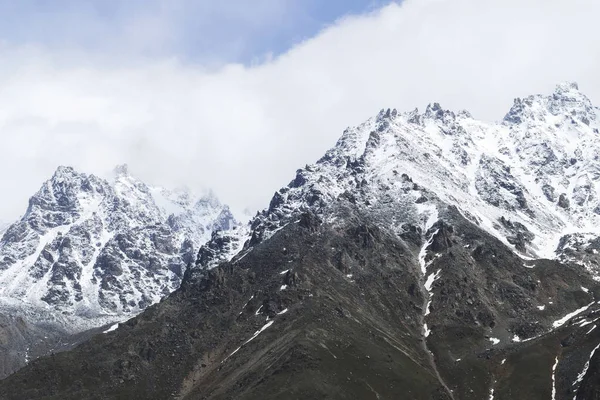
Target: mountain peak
(566,86)
(210,199)
(121,170)
(451,154)
(64,172)
(100,241)
(567,101)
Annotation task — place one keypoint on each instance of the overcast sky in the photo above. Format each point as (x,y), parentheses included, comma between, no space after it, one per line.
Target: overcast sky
(236,95)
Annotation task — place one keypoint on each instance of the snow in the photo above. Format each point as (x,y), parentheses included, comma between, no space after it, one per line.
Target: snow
(164,199)
(235,351)
(503,361)
(426,330)
(428,308)
(431,279)
(516,339)
(541,308)
(585,367)
(423,253)
(428,214)
(245,304)
(586,323)
(554,379)
(112,328)
(428,284)
(284,272)
(567,317)
(590,331)
(494,341)
(15,280)
(258,332)
(282,312)
(585,289)
(283,287)
(92,213)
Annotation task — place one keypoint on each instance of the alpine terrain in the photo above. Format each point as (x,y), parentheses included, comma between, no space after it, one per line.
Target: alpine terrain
(425,256)
(90,252)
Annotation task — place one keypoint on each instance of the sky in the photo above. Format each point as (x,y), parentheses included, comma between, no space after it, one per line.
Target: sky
(236,95)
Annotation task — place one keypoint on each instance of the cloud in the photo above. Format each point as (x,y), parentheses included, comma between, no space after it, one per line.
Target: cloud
(244,130)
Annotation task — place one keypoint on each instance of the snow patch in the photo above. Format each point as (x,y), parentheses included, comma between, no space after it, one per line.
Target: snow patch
(554,378)
(431,279)
(590,331)
(258,332)
(566,318)
(423,253)
(112,328)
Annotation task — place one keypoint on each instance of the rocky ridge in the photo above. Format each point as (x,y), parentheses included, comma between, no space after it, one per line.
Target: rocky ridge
(531,180)
(89,247)
(90,251)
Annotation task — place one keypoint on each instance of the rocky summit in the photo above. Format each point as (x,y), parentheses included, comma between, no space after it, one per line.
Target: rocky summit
(90,251)
(425,256)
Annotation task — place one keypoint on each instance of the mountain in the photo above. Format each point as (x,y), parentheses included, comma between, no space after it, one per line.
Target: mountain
(531,180)
(425,256)
(90,251)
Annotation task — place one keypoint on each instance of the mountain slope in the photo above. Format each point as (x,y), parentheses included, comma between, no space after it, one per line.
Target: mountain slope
(430,256)
(530,180)
(322,310)
(89,251)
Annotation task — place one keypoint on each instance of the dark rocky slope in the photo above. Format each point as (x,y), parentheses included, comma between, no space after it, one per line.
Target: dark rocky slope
(353,328)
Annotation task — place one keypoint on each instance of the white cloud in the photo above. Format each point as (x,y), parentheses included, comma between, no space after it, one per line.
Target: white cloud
(244,130)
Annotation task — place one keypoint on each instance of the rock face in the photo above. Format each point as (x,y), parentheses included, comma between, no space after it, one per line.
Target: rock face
(537,168)
(90,251)
(425,256)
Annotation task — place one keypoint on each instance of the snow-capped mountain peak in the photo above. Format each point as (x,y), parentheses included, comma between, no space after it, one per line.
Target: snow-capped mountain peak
(121,170)
(566,103)
(88,247)
(529,180)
